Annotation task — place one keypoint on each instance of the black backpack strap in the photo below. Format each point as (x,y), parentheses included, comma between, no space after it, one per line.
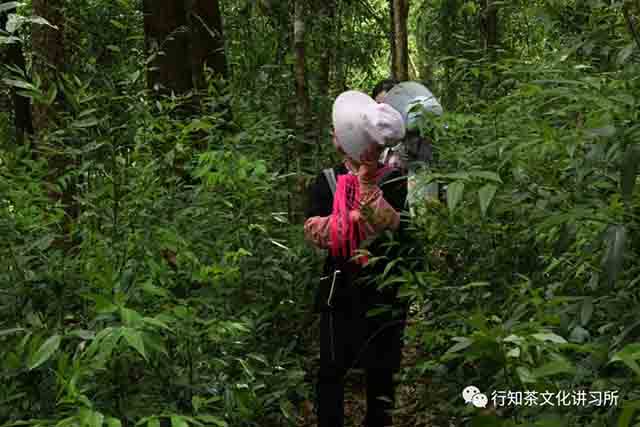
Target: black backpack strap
(385,175)
(330,175)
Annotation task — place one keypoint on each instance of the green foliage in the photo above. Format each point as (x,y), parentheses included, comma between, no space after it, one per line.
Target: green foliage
(535,247)
(175,301)
(154,278)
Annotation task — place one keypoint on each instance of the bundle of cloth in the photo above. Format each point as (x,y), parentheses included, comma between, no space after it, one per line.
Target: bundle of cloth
(415,103)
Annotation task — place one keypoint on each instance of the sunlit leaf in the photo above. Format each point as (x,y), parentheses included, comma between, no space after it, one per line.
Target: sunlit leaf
(616,241)
(10,5)
(486,194)
(586,311)
(134,338)
(553,368)
(461,345)
(455,191)
(46,350)
(550,337)
(114,422)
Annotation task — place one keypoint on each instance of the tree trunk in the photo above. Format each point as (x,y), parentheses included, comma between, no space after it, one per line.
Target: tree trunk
(392,38)
(490,14)
(49,60)
(327,58)
(207,40)
(21,105)
(401,57)
(303,106)
(448,13)
(165,24)
(48,55)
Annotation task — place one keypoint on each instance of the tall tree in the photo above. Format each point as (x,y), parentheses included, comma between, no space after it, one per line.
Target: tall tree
(49,60)
(303,105)
(327,17)
(207,40)
(48,55)
(392,36)
(21,105)
(490,25)
(400,13)
(166,36)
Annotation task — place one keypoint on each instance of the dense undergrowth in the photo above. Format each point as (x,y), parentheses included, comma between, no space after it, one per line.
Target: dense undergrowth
(172,290)
(175,288)
(532,283)
(185,294)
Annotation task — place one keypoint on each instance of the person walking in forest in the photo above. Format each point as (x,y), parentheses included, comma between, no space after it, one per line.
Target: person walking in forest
(352,206)
(412,100)
(381,89)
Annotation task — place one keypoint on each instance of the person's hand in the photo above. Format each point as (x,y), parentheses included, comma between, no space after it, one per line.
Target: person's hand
(368,166)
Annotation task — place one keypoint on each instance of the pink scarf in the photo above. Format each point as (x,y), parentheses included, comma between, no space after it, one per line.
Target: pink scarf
(347,228)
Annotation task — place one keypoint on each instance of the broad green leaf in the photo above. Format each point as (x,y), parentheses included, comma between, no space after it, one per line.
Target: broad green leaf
(630,351)
(130,317)
(525,375)
(628,409)
(486,194)
(514,353)
(475,285)
(14,22)
(604,131)
(586,311)
(52,93)
(178,421)
(553,368)
(20,84)
(103,305)
(85,123)
(156,322)
(455,191)
(579,335)
(41,21)
(82,333)
(514,339)
(461,345)
(616,242)
(87,112)
(9,40)
(11,331)
(549,336)
(114,422)
(45,351)
(625,53)
(134,338)
(457,175)
(150,288)
(93,419)
(489,176)
(153,422)
(210,419)
(10,5)
(44,242)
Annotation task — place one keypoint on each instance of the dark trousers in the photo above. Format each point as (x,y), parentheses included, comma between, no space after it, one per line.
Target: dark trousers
(340,350)
(330,390)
